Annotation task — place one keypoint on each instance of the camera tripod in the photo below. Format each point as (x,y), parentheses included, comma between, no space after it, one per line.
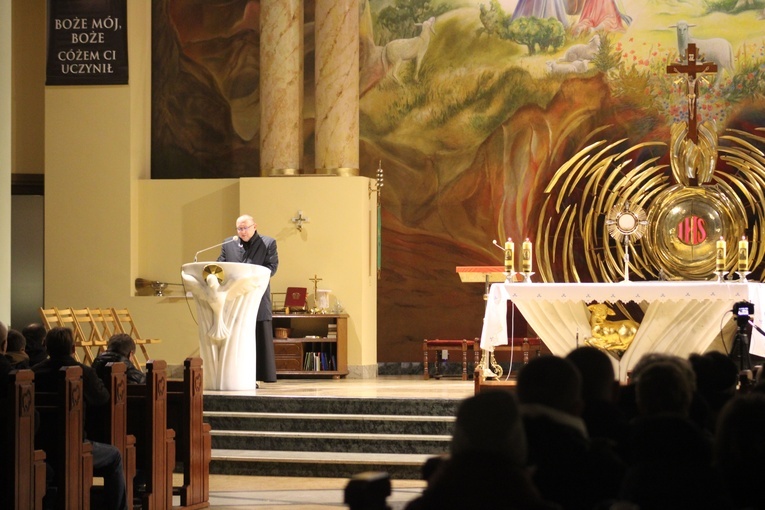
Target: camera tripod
(740,349)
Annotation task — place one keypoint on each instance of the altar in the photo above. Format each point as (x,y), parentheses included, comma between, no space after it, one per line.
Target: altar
(680,318)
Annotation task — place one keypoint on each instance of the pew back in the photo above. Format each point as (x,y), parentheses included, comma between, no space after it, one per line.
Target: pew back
(113,422)
(22,470)
(61,435)
(155,443)
(192,436)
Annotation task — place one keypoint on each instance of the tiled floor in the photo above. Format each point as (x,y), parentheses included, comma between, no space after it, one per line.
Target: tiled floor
(381,387)
(281,493)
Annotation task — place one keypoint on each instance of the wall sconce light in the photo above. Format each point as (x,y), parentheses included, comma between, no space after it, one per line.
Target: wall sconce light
(299,220)
(142,285)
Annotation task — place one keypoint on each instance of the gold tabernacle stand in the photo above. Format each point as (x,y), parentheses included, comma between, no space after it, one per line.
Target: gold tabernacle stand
(486,275)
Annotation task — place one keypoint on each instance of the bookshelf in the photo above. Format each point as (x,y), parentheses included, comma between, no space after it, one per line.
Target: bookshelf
(316,345)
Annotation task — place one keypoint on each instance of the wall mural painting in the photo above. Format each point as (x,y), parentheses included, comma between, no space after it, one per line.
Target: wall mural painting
(502,118)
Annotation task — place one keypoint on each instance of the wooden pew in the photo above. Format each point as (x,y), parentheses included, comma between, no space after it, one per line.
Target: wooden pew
(112,423)
(22,469)
(61,435)
(192,436)
(155,443)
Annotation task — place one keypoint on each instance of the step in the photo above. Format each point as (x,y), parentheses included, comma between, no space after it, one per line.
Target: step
(332,405)
(339,423)
(315,464)
(331,442)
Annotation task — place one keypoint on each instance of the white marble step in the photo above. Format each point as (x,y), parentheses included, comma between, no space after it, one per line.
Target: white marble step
(382,459)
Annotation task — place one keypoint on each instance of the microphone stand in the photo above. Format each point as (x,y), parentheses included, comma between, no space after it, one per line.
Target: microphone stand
(235,238)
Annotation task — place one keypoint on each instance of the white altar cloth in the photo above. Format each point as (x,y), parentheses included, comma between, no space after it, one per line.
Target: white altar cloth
(679,317)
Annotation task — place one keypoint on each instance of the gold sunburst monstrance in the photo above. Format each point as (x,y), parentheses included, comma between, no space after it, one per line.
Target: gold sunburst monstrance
(692,204)
(626,223)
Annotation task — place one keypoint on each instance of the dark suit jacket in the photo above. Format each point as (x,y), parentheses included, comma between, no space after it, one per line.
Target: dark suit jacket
(132,374)
(261,250)
(93,389)
(5,370)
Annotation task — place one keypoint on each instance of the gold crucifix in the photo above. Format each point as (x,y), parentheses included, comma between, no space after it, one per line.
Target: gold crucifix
(692,69)
(315,281)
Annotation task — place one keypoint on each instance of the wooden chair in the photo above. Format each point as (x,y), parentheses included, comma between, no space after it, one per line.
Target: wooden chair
(22,468)
(155,443)
(528,347)
(90,330)
(124,323)
(192,435)
(49,318)
(65,317)
(61,435)
(105,321)
(440,345)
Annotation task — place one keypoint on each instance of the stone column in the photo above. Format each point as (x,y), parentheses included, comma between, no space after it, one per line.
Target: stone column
(281,87)
(337,87)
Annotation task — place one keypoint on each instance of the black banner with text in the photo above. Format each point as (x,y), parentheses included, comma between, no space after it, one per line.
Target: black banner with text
(87,42)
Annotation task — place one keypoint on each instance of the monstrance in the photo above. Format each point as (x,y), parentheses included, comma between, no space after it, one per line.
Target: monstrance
(624,223)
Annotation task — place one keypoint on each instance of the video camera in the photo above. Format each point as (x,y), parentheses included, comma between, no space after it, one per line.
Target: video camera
(743,310)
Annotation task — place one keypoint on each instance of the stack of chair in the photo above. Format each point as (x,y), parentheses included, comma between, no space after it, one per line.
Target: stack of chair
(92,328)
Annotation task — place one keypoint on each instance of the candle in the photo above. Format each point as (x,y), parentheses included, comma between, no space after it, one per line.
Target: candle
(743,255)
(721,255)
(526,256)
(509,256)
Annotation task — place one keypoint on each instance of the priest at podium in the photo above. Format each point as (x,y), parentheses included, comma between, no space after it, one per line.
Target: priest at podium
(252,248)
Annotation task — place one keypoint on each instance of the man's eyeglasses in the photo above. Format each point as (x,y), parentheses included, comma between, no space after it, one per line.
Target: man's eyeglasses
(244,229)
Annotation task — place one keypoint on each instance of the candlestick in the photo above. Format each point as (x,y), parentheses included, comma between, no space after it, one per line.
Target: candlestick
(743,255)
(526,256)
(509,256)
(721,255)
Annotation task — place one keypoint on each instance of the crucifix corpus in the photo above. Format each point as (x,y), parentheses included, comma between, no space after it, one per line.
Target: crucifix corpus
(315,281)
(692,70)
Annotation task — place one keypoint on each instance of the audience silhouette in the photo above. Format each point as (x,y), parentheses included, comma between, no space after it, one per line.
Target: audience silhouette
(14,350)
(670,456)
(600,393)
(570,468)
(35,336)
(740,449)
(486,467)
(683,433)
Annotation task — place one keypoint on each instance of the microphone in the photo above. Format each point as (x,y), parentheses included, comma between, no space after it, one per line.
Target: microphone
(757,328)
(235,238)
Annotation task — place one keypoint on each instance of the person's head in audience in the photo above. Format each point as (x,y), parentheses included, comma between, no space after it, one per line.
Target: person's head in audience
(739,448)
(716,377)
(490,423)
(59,342)
(16,341)
(122,344)
(740,434)
(35,335)
(551,381)
(3,336)
(598,379)
(663,387)
(650,358)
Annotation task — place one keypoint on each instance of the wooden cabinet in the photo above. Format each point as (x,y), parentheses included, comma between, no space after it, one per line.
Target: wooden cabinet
(316,345)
